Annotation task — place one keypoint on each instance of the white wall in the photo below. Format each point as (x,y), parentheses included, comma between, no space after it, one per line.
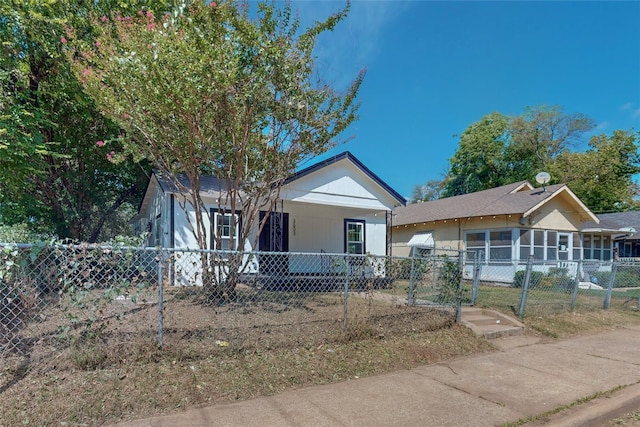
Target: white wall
(313,228)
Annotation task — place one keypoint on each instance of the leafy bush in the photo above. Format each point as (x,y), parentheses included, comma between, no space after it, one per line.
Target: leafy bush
(21,233)
(535,279)
(406,268)
(559,278)
(624,278)
(450,276)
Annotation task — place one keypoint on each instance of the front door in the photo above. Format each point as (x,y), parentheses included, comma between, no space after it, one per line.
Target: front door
(563,246)
(274,237)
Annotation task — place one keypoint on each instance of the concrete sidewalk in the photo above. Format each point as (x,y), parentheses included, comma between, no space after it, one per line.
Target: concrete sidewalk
(525,378)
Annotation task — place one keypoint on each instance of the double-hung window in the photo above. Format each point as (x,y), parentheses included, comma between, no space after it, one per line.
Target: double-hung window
(225,230)
(476,244)
(354,236)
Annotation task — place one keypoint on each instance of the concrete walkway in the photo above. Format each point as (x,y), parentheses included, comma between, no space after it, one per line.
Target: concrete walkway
(525,378)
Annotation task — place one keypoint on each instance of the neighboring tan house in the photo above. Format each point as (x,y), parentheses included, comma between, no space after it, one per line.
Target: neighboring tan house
(504,226)
(626,225)
(335,206)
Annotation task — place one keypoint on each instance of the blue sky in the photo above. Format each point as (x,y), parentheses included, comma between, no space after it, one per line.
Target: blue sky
(433,68)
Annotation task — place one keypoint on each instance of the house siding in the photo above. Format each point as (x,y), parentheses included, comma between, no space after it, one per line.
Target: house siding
(449,234)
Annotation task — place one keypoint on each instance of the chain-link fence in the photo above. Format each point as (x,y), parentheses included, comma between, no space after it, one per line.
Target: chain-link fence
(55,297)
(536,287)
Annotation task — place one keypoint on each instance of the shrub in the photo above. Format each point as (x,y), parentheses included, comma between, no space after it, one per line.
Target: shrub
(450,275)
(535,279)
(21,233)
(559,278)
(624,278)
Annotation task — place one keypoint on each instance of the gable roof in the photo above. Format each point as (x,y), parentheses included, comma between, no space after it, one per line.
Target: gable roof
(347,155)
(518,198)
(213,187)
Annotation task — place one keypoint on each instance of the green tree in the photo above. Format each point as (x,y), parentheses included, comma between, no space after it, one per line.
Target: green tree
(479,162)
(498,149)
(54,176)
(602,176)
(540,135)
(430,190)
(209,89)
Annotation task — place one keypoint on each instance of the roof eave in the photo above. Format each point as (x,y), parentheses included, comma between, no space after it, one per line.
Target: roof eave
(587,212)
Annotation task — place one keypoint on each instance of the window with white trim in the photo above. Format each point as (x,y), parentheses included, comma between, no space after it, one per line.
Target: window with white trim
(354,236)
(223,231)
(597,246)
(496,244)
(549,245)
(475,244)
(500,245)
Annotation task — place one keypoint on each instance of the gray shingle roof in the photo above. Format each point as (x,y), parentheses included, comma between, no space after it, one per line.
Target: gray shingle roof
(617,221)
(516,199)
(209,185)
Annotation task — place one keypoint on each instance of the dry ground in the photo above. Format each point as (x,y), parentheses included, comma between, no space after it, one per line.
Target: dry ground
(120,374)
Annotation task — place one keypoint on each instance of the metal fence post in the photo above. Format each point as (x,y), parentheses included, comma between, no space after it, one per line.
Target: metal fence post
(612,279)
(460,285)
(346,294)
(161,260)
(476,279)
(576,282)
(410,296)
(525,286)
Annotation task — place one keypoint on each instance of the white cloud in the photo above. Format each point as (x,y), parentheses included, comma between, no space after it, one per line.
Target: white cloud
(353,44)
(626,106)
(635,113)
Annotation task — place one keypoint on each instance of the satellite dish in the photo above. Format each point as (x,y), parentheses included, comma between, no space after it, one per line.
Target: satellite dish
(543,178)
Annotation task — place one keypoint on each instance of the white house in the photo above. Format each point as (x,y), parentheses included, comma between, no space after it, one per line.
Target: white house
(335,206)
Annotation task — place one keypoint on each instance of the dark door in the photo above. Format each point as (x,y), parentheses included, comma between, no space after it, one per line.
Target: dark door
(274,237)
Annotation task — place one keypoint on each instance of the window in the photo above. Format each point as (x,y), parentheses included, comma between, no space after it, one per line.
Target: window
(223,231)
(422,252)
(496,245)
(500,245)
(354,236)
(538,244)
(597,247)
(606,248)
(549,244)
(525,243)
(157,231)
(552,245)
(475,244)
(563,246)
(577,246)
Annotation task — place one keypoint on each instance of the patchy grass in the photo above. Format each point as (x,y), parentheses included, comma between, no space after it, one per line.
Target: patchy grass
(120,374)
(566,325)
(157,382)
(630,419)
